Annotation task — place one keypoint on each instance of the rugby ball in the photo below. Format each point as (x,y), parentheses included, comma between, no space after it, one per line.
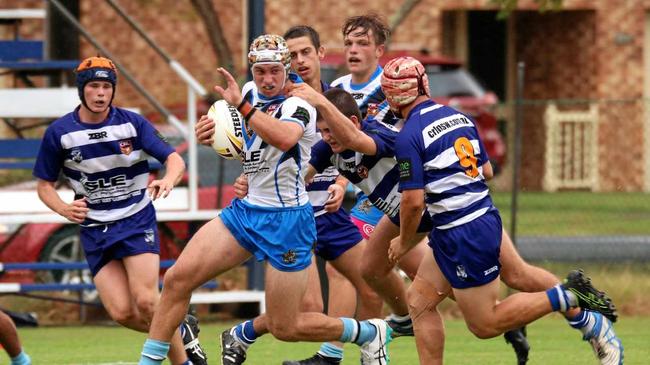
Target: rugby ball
(228,130)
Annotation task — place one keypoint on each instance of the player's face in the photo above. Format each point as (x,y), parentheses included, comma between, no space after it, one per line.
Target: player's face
(328,137)
(362,53)
(98,95)
(269,78)
(305,58)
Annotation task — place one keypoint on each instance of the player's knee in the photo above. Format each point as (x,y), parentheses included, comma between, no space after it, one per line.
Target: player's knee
(123,315)
(145,306)
(175,282)
(483,330)
(284,331)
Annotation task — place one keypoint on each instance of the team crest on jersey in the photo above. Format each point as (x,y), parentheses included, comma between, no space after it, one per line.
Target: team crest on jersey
(272,108)
(289,257)
(460,272)
(373,109)
(75,155)
(362,171)
(126,146)
(365,206)
(149,237)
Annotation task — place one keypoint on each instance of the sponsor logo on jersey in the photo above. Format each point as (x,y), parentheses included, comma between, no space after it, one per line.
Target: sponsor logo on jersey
(302,115)
(97,135)
(75,155)
(126,146)
(358,96)
(404,166)
(92,185)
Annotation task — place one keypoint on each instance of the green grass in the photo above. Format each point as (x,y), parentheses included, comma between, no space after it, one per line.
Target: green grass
(577,213)
(552,341)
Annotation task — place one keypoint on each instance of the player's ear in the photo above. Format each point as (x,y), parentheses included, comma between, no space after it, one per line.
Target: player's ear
(355,121)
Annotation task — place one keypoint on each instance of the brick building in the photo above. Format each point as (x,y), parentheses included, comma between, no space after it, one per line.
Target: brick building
(589,52)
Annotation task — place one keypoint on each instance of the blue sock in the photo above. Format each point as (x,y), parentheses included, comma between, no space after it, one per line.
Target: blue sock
(558,298)
(367,332)
(153,352)
(245,333)
(331,351)
(350,330)
(580,320)
(21,359)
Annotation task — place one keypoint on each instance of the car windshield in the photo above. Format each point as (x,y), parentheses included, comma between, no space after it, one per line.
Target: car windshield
(452,82)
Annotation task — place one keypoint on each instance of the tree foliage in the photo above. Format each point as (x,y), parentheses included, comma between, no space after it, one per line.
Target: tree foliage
(507,6)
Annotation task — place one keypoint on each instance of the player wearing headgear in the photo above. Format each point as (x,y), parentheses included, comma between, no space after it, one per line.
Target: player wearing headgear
(274,222)
(441,163)
(101,150)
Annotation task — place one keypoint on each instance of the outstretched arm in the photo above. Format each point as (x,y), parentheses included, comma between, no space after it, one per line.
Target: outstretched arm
(279,134)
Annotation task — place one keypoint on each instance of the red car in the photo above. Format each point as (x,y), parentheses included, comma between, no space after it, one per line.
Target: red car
(53,242)
(449,84)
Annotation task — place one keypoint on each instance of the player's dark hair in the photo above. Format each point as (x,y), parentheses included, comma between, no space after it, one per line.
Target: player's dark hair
(380,30)
(343,101)
(298,31)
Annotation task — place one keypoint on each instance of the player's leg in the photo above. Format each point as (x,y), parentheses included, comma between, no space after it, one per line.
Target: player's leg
(10,341)
(596,329)
(428,289)
(312,301)
(112,285)
(143,273)
(378,272)
(283,293)
(211,251)
(342,272)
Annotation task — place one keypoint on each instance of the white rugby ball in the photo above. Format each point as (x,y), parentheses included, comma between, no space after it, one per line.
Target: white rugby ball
(228,130)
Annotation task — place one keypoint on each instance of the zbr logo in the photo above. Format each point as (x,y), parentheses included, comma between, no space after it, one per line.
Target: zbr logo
(126,147)
(97,135)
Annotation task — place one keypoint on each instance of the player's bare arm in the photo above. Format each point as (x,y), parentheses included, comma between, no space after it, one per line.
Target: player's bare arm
(411,207)
(346,132)
(74,212)
(277,133)
(174,167)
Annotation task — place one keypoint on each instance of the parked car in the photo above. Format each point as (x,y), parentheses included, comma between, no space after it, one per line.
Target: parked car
(54,242)
(450,84)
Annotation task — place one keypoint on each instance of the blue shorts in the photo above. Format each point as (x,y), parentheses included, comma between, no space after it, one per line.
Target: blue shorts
(364,211)
(130,236)
(336,234)
(468,255)
(283,236)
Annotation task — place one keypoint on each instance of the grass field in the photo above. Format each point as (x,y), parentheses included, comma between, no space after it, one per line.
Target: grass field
(552,342)
(577,213)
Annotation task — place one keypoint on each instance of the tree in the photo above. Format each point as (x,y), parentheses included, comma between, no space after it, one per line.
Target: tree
(213,26)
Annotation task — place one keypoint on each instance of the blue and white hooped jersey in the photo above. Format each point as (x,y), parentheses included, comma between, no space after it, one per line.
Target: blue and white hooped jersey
(377,176)
(439,150)
(276,178)
(106,162)
(369,97)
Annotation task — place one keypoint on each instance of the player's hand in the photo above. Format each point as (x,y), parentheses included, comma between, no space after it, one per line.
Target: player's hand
(335,199)
(397,250)
(231,93)
(241,186)
(204,130)
(76,211)
(160,188)
(307,93)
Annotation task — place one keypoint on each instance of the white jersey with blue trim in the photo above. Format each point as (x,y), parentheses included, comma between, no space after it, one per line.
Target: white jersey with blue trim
(105,162)
(369,97)
(275,177)
(439,150)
